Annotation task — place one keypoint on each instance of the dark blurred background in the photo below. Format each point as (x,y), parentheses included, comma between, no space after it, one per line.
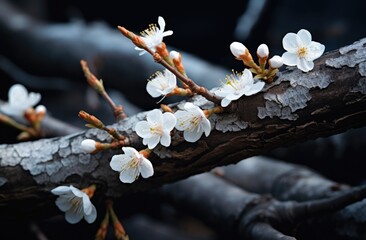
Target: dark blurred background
(204,30)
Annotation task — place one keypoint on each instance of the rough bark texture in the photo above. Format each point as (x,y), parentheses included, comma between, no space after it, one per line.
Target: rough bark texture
(296,107)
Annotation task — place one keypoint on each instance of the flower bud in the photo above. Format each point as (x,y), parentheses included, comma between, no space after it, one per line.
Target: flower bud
(41,109)
(174,55)
(88,145)
(275,62)
(238,49)
(263,50)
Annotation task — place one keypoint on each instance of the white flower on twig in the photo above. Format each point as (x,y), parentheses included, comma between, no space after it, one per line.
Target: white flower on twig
(75,203)
(131,164)
(19,101)
(156,129)
(301,50)
(153,36)
(238,85)
(193,121)
(161,84)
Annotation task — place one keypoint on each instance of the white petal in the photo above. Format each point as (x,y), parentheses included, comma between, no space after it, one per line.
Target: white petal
(165,139)
(161,23)
(225,102)
(130,152)
(290,42)
(192,136)
(73,217)
(33,99)
(305,36)
(255,88)
(169,121)
(189,106)
(155,116)
(168,33)
(142,129)
(129,175)
(153,141)
(233,97)
(315,51)
(87,205)
(16,93)
(153,90)
(77,192)
(118,161)
(146,168)
(305,65)
(63,203)
(90,218)
(183,120)
(206,125)
(247,77)
(290,59)
(10,110)
(61,190)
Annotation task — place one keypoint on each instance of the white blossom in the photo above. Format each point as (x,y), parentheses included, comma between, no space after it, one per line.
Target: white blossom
(88,145)
(161,84)
(19,101)
(75,203)
(238,85)
(156,129)
(193,121)
(301,50)
(131,164)
(275,61)
(153,36)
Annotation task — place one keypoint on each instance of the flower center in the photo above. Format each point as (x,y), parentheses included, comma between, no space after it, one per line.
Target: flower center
(302,52)
(150,31)
(135,162)
(194,122)
(156,130)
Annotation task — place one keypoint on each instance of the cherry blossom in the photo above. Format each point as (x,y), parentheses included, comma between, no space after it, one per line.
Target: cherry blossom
(301,50)
(193,121)
(75,203)
(156,129)
(238,85)
(131,164)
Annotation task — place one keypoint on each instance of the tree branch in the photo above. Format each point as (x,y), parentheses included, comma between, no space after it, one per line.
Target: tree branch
(296,107)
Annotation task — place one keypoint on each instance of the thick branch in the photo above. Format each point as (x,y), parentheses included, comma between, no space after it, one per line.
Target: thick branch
(287,182)
(299,106)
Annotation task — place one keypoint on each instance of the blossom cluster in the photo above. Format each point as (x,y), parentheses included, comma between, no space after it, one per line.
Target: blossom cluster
(190,119)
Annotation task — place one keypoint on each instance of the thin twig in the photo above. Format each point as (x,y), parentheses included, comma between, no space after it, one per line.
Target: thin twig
(189,82)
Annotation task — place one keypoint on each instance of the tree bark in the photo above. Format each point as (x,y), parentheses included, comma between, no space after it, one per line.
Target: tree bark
(296,107)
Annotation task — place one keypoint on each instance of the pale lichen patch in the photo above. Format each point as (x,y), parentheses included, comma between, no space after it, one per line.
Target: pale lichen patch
(309,80)
(282,105)
(228,123)
(273,109)
(350,56)
(356,45)
(362,69)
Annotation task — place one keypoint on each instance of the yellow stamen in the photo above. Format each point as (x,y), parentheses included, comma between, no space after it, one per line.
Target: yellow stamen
(302,52)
